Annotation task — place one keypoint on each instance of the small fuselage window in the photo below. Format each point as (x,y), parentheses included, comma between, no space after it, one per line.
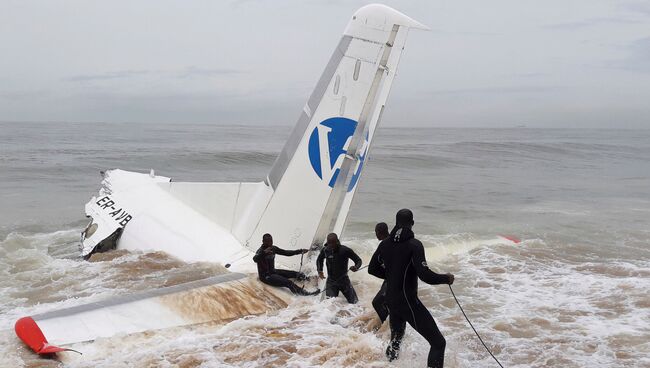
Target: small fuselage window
(337,83)
(357,68)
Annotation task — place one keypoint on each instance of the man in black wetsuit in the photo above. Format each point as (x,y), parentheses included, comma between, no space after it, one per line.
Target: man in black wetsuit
(379,301)
(403,259)
(268,274)
(337,256)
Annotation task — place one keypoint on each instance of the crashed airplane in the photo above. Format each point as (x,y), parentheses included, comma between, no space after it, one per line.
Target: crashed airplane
(306,195)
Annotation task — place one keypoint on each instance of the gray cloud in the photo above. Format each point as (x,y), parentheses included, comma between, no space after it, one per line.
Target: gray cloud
(592,22)
(121,74)
(253,61)
(188,72)
(639,59)
(23,95)
(637,7)
(193,71)
(527,75)
(496,90)
(465,33)
(636,58)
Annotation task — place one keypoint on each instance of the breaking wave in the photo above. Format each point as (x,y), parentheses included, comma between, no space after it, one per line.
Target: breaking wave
(531,308)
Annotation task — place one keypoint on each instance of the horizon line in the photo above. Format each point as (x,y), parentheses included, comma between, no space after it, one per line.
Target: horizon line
(259,124)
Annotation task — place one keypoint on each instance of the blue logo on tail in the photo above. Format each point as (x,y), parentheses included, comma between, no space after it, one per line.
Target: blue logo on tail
(328,144)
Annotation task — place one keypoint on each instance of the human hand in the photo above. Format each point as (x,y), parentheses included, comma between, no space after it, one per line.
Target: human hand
(354,269)
(268,250)
(321,275)
(451,278)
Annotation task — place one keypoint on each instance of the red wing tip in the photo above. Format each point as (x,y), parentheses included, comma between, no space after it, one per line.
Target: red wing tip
(513,239)
(29,332)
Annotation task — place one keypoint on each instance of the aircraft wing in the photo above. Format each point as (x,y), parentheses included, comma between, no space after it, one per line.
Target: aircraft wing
(219,298)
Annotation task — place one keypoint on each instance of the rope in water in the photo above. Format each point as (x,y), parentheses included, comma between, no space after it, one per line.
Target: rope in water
(457,302)
(471,325)
(301,256)
(300,269)
(227,265)
(452,293)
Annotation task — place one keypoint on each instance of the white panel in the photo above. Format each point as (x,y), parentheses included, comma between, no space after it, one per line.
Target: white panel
(363,50)
(216,201)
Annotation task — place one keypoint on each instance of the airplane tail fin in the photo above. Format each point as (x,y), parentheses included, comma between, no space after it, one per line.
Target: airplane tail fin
(316,174)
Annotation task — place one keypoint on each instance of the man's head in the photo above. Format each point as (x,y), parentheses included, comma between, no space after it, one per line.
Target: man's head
(333,240)
(381,231)
(267,240)
(404,218)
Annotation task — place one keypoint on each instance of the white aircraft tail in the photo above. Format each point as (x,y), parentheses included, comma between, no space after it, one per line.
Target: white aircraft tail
(316,174)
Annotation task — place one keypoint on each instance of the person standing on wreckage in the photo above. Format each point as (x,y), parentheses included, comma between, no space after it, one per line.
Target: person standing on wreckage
(400,260)
(268,274)
(336,257)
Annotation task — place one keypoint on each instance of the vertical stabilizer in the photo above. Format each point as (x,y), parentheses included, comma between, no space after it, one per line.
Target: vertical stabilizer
(318,171)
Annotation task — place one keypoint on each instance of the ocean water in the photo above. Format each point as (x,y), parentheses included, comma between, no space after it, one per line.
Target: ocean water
(574,293)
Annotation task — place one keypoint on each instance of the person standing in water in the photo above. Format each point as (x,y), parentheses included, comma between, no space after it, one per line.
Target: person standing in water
(379,301)
(268,274)
(337,256)
(403,261)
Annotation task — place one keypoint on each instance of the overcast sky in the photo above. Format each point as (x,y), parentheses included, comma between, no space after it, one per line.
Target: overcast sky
(504,63)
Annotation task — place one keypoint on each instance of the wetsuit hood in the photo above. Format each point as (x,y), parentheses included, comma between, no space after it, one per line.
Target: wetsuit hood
(404,217)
